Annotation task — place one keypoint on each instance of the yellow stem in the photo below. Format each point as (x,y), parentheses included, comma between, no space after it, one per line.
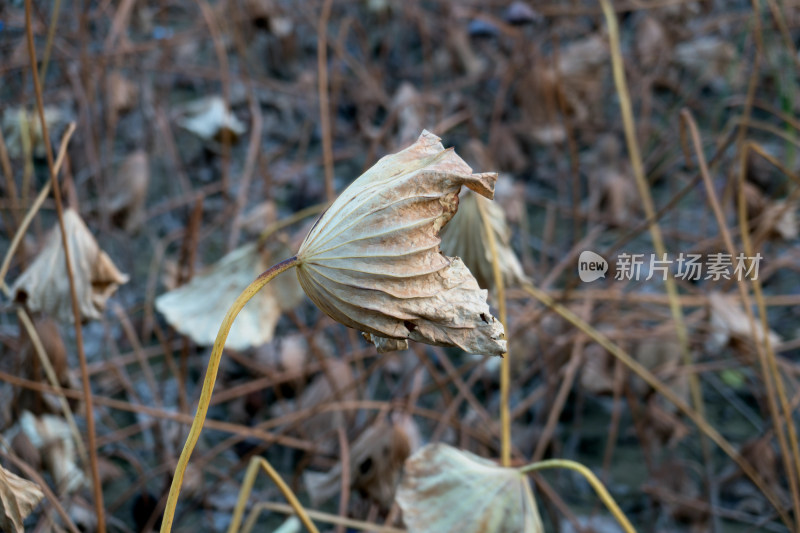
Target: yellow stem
(689,123)
(744,228)
(318,516)
(505,415)
(288,221)
(637,165)
(598,487)
(665,391)
(208,384)
(247,487)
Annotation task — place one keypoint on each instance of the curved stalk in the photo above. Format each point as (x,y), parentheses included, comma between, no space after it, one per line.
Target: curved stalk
(257,463)
(208,384)
(505,372)
(598,487)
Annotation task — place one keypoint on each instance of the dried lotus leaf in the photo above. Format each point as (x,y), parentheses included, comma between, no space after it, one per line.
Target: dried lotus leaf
(465,237)
(129,186)
(197,308)
(372,260)
(53,439)
(376,462)
(336,383)
(18,497)
(477,494)
(44,286)
(122,94)
(211,119)
(728,320)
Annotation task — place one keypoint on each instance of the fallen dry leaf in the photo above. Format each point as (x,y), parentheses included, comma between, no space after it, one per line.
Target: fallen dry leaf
(597,371)
(538,97)
(129,190)
(612,192)
(771,218)
(663,357)
(23,128)
(39,402)
(464,56)
(661,423)
(675,477)
(320,428)
(707,58)
(292,355)
(18,497)
(197,308)
(51,436)
(728,321)
(465,236)
(122,94)
(376,461)
(372,261)
(584,58)
(519,13)
(44,286)
(508,152)
(22,446)
(566,84)
(210,119)
(259,217)
(449,490)
(780,218)
(652,43)
(410,111)
(761,453)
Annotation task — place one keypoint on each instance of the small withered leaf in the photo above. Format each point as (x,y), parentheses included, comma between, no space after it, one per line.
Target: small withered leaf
(18,497)
(122,94)
(211,118)
(24,132)
(372,261)
(197,308)
(336,383)
(129,186)
(728,321)
(44,286)
(466,237)
(52,437)
(376,462)
(478,494)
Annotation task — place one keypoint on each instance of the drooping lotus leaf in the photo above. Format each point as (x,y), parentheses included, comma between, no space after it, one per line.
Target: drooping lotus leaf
(372,261)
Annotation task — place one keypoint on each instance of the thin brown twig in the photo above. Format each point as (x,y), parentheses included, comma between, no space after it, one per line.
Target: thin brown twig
(505,369)
(688,121)
(344,494)
(645,194)
(324,111)
(11,186)
(320,516)
(224,75)
(37,204)
(97,486)
(665,391)
(567,380)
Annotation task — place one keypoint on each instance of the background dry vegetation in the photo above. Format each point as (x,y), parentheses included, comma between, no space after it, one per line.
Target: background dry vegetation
(199,126)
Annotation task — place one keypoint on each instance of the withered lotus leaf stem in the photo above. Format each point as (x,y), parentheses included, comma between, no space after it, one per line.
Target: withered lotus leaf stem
(208,384)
